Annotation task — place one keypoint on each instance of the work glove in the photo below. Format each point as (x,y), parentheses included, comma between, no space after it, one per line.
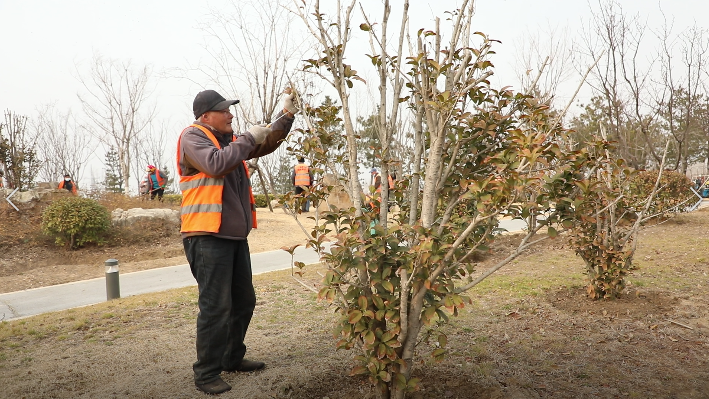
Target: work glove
(289,103)
(259,132)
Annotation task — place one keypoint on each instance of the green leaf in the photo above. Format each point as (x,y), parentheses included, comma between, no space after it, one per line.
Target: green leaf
(428,315)
(384,376)
(359,370)
(552,232)
(354,316)
(378,302)
(412,385)
(442,340)
(438,354)
(362,302)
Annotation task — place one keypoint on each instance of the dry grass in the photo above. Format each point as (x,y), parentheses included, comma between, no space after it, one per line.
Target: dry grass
(529,333)
(29,260)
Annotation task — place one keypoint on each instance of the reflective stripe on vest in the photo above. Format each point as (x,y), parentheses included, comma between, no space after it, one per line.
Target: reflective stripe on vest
(201,209)
(302,175)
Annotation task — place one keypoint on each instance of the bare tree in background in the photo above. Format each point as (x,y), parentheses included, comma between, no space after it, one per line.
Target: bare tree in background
(683,91)
(272,168)
(19,162)
(149,149)
(66,148)
(115,102)
(252,53)
(622,84)
(543,62)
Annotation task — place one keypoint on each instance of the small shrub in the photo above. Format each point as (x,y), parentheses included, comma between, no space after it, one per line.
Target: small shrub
(172,199)
(673,194)
(261,201)
(76,221)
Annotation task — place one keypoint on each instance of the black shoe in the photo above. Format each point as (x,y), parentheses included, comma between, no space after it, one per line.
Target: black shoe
(214,387)
(246,366)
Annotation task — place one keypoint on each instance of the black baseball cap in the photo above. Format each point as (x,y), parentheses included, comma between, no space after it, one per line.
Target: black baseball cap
(210,100)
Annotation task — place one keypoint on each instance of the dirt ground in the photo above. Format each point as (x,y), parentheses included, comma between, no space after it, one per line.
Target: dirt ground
(529,333)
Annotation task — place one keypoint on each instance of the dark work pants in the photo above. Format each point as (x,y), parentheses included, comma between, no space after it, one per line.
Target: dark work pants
(227,299)
(159,192)
(306,205)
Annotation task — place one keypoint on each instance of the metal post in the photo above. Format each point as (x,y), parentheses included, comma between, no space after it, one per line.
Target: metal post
(113,289)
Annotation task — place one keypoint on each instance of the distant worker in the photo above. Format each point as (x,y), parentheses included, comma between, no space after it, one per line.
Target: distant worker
(143,188)
(156,182)
(302,179)
(377,183)
(377,180)
(68,184)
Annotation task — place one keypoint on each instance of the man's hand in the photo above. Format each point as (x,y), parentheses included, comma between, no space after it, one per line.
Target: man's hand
(289,103)
(259,132)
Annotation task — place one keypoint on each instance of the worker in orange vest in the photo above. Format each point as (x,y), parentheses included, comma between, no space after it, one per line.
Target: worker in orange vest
(302,179)
(377,180)
(156,182)
(68,184)
(218,212)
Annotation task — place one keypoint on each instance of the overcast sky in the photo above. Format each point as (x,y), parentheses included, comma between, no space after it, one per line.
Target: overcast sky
(44,41)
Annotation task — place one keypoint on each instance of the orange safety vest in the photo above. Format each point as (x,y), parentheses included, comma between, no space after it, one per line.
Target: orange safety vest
(391,184)
(201,208)
(302,175)
(161,180)
(73,186)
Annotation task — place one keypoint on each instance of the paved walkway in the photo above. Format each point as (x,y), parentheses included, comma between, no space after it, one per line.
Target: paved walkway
(16,305)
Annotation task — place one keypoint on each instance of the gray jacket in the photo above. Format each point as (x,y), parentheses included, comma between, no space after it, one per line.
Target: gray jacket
(198,153)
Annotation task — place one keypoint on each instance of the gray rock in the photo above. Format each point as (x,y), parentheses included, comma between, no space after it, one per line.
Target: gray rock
(120,217)
(24,197)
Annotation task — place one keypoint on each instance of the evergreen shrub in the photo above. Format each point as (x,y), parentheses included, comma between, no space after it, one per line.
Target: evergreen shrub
(674,193)
(261,201)
(76,221)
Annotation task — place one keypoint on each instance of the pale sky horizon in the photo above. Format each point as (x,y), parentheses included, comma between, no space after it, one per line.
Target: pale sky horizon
(44,41)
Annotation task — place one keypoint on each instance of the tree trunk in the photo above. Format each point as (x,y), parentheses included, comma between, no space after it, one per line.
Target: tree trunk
(265,190)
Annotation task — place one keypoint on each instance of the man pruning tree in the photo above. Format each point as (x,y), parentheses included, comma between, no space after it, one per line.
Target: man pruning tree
(218,212)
